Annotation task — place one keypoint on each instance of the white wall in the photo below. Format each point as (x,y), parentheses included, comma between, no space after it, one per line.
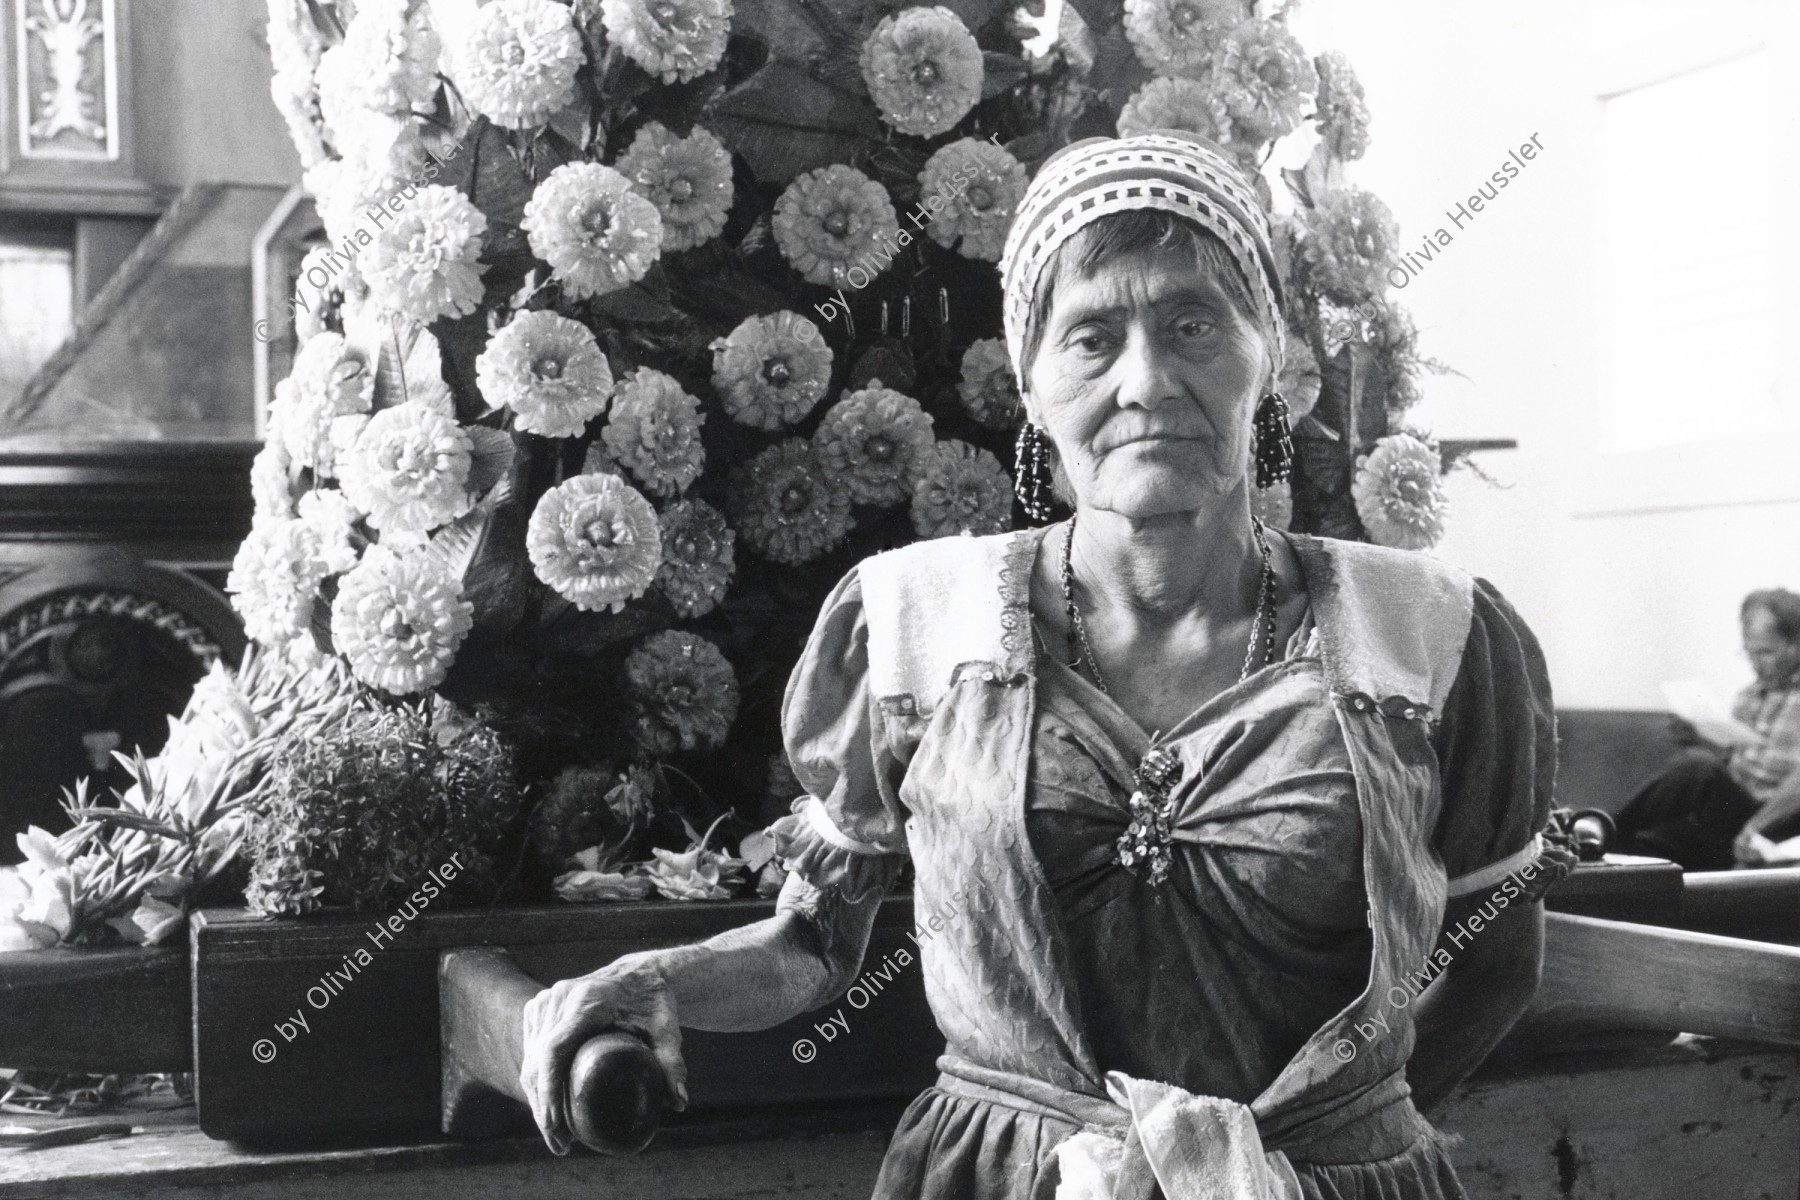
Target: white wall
(1629,566)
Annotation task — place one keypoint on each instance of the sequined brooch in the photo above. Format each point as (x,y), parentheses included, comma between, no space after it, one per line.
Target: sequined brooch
(1148,838)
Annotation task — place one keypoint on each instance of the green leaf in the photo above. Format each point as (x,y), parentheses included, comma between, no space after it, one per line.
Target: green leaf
(573,124)
(790,28)
(321,616)
(491,460)
(462,341)
(130,820)
(637,304)
(453,546)
(724,295)
(498,581)
(484,168)
(784,121)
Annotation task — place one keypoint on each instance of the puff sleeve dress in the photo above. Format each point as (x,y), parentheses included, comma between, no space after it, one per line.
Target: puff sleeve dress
(1318,830)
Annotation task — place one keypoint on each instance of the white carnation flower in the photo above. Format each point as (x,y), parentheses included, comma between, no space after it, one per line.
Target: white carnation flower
(422,263)
(549,370)
(275,578)
(409,470)
(399,620)
(517,65)
(595,540)
(332,518)
(594,231)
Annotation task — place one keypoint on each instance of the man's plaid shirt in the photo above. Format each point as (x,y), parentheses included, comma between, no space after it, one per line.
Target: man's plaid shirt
(1773,711)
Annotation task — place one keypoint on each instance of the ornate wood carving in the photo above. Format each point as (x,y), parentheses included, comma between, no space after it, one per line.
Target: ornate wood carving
(65,119)
(97,650)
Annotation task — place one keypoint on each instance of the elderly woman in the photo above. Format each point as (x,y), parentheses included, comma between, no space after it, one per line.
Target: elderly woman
(1197,793)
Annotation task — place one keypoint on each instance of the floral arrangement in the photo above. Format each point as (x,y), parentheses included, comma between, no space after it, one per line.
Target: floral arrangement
(129,871)
(637,322)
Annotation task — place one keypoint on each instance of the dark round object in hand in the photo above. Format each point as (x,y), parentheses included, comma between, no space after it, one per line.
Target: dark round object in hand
(616,1093)
(1594,833)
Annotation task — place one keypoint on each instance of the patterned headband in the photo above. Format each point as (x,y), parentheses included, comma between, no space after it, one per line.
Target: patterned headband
(1164,169)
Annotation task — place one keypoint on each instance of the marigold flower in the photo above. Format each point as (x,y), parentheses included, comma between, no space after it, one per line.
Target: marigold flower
(295,47)
(653,431)
(1176,104)
(961,489)
(987,388)
(683,692)
(342,194)
(594,231)
(923,68)
(1265,78)
(697,563)
(331,379)
(271,471)
(1350,245)
(1179,37)
(771,370)
(873,439)
(1343,115)
(387,64)
(333,519)
(979,186)
(687,178)
(833,222)
(786,508)
(549,370)
(1399,493)
(674,40)
(595,541)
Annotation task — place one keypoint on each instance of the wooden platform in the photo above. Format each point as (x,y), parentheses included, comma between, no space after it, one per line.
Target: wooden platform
(1693,1120)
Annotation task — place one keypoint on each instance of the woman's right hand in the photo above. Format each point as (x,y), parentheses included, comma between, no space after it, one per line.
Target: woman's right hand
(630,994)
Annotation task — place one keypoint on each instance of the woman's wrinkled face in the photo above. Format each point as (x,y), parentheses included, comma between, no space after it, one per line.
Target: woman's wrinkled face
(1774,658)
(1146,380)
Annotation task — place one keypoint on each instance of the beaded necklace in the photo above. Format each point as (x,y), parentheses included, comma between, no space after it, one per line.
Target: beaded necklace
(1263,622)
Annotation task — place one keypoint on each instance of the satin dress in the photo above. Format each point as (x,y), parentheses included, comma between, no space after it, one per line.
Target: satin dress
(1316,838)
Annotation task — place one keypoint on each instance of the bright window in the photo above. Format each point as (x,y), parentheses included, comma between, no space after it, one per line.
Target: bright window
(1689,256)
(37,300)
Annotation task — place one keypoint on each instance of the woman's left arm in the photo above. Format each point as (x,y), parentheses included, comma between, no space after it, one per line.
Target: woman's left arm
(1496,749)
(1488,985)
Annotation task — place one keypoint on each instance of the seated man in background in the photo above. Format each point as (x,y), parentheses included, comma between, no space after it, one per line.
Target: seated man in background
(1709,806)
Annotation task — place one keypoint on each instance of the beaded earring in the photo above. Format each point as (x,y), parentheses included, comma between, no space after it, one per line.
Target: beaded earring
(1031,471)
(1271,442)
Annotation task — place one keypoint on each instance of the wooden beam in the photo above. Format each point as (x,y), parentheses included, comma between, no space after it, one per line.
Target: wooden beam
(104,1011)
(1763,905)
(1615,975)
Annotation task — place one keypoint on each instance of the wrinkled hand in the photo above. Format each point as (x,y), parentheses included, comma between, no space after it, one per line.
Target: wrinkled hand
(629,994)
(1745,851)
